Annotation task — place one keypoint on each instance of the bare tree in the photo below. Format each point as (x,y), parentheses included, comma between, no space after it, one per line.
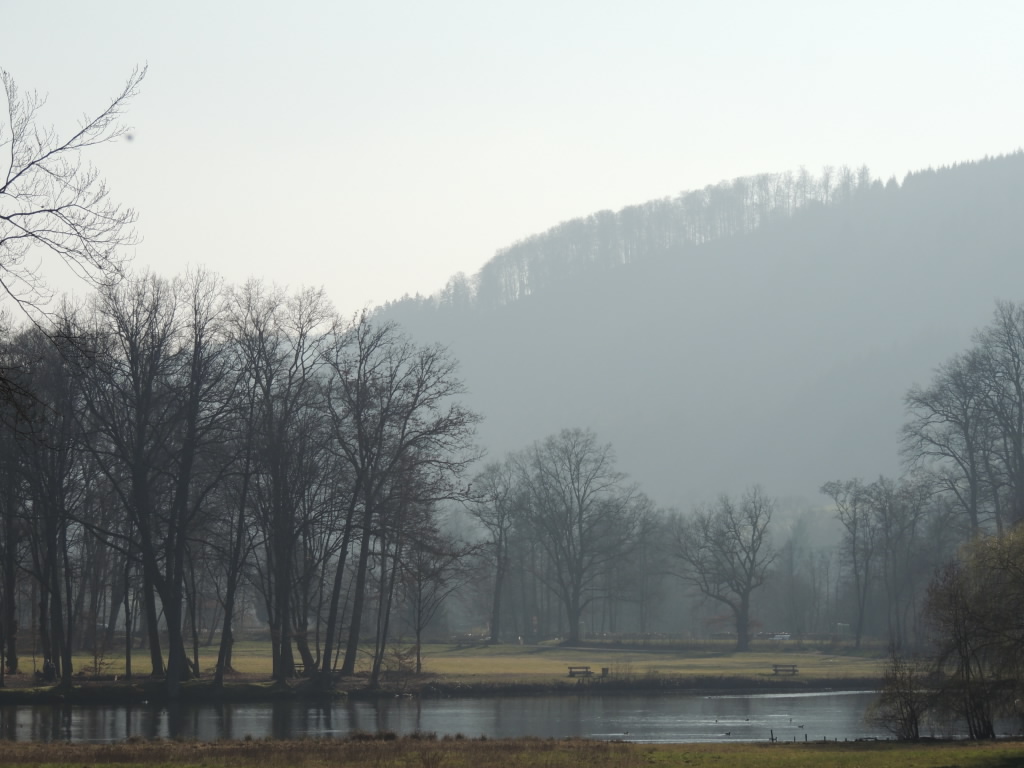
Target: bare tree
(900,510)
(50,199)
(203,391)
(905,698)
(582,513)
(433,568)
(967,428)
(956,610)
(1002,345)
(724,552)
(235,539)
(129,409)
(13,530)
(860,542)
(397,424)
(54,473)
(51,202)
(650,564)
(498,497)
(281,340)
(949,433)
(157,389)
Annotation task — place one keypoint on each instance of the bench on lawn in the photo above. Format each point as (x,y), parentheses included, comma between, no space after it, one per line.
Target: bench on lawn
(580,672)
(789,669)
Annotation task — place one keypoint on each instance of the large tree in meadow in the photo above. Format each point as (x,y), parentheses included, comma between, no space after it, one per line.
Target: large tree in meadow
(724,551)
(582,513)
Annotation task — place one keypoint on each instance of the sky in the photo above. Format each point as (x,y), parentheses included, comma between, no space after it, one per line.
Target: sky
(376,149)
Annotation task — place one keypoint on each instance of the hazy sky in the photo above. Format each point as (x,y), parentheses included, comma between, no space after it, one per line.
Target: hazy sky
(376,148)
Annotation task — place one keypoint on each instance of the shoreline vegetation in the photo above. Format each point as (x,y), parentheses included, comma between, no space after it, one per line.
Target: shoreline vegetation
(476,669)
(481,670)
(365,750)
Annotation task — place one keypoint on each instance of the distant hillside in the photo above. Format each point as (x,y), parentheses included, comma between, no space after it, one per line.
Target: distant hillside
(760,331)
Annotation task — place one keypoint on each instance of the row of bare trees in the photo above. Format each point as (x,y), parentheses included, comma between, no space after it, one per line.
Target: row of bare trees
(562,522)
(559,517)
(964,441)
(966,428)
(186,440)
(572,546)
(175,442)
(895,535)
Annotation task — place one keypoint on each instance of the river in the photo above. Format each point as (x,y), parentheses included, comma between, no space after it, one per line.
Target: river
(644,718)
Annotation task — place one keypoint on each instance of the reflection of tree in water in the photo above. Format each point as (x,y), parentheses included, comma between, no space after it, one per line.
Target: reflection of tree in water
(280,722)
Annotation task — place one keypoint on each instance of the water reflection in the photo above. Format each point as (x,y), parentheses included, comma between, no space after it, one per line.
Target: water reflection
(669,718)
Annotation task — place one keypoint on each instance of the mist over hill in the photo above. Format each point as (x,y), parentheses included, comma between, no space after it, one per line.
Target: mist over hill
(763,330)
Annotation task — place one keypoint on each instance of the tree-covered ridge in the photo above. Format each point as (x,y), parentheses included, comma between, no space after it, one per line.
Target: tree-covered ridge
(676,225)
(668,225)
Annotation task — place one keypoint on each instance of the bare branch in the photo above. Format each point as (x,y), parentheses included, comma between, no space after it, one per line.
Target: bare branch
(51,201)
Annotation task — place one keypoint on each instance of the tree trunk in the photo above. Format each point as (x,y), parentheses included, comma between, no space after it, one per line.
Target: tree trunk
(384,609)
(226,635)
(309,662)
(10,617)
(499,582)
(117,588)
(284,661)
(331,632)
(176,658)
(67,667)
(152,625)
(574,613)
(194,627)
(237,557)
(348,666)
(743,624)
(129,619)
(45,618)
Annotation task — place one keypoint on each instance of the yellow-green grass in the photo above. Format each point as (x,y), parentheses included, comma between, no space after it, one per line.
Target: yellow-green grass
(537,664)
(248,658)
(515,753)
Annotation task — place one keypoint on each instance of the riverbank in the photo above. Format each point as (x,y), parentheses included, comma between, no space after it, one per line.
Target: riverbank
(364,751)
(695,684)
(457,670)
(153,691)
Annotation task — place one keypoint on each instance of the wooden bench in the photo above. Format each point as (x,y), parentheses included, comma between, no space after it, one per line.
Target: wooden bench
(789,669)
(580,672)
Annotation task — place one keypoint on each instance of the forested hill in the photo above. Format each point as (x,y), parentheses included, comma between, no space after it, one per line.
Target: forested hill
(763,330)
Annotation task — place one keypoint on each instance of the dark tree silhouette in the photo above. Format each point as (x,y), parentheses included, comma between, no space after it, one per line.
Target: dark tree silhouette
(50,199)
(724,552)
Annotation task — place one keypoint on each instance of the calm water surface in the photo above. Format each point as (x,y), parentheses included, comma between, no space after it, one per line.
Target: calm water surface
(652,718)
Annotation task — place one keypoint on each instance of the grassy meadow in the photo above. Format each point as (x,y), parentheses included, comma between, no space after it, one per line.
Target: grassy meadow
(544,664)
(540,663)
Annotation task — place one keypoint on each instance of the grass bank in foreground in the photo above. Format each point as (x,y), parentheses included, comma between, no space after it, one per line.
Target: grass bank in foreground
(515,753)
